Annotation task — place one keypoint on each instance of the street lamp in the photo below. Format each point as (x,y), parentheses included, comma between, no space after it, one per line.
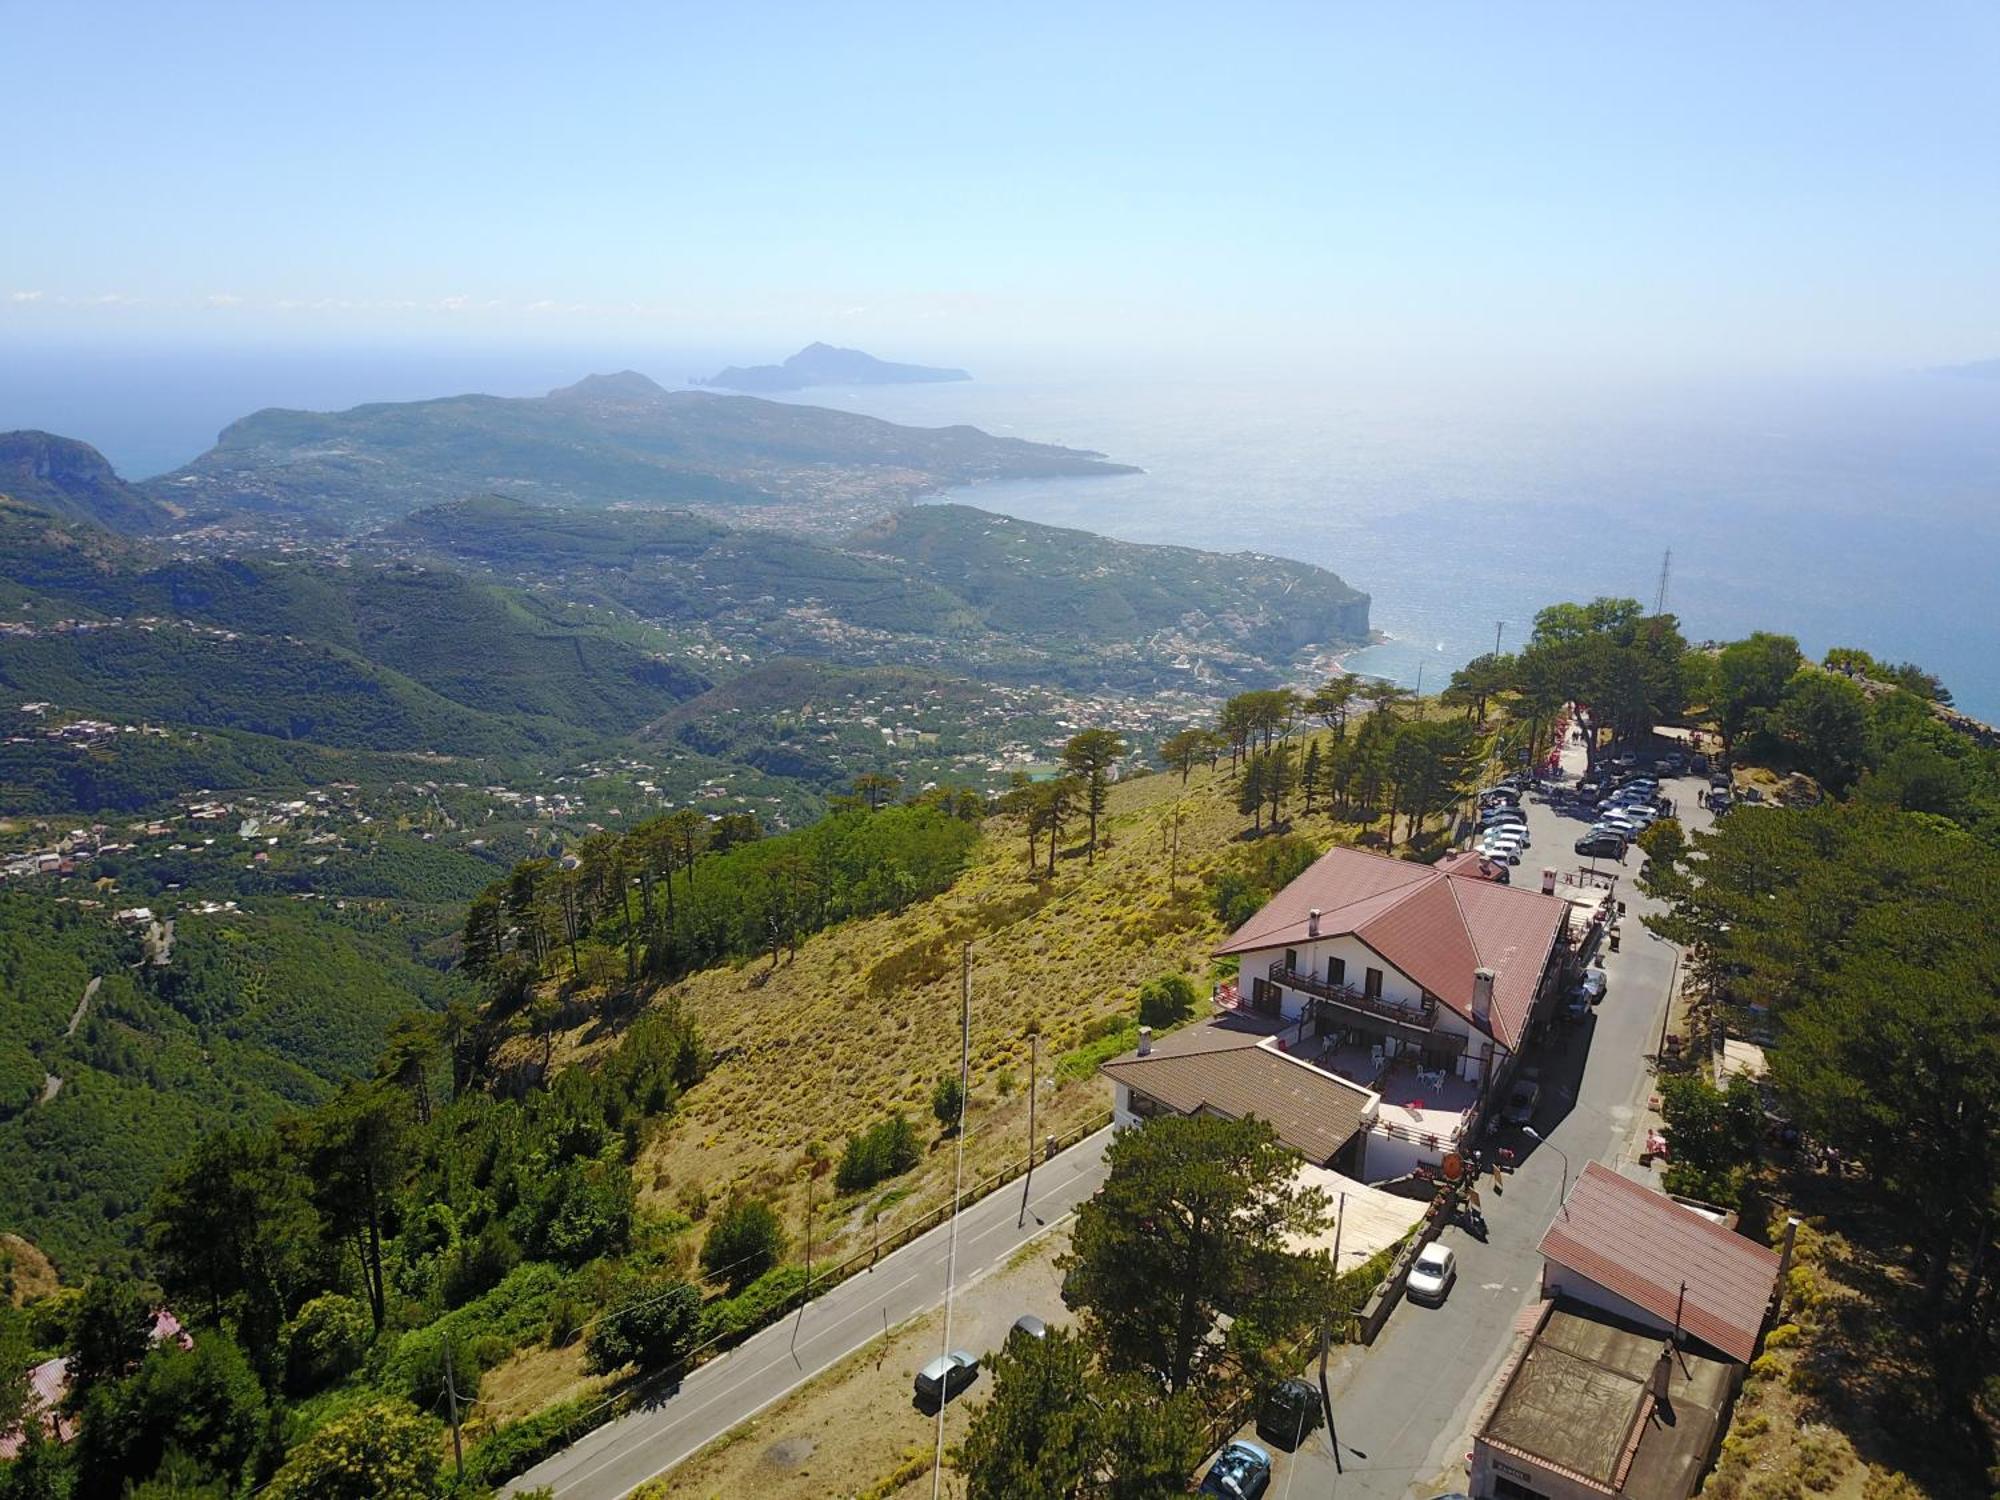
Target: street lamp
(1535,1135)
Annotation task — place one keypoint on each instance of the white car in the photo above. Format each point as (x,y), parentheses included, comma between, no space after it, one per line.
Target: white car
(1431,1277)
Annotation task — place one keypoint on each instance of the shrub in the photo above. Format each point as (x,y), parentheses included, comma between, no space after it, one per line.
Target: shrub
(652,1327)
(1167,1000)
(328,1339)
(745,1241)
(882,1150)
(383,1448)
(765,1299)
(479,1265)
(946,1100)
(522,1445)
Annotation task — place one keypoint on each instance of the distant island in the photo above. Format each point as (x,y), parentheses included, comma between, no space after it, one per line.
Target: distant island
(823,364)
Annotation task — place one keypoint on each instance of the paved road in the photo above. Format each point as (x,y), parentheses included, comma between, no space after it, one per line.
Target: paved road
(1405,1407)
(619,1457)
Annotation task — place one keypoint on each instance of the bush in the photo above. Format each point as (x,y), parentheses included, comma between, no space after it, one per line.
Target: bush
(764,1300)
(652,1327)
(1167,1000)
(947,1099)
(328,1339)
(882,1150)
(479,1265)
(383,1448)
(745,1241)
(522,1445)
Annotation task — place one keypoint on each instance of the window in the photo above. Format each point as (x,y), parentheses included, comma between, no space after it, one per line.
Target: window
(1291,960)
(1508,1489)
(1371,984)
(1336,971)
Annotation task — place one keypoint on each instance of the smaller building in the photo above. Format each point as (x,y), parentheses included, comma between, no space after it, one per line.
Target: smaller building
(1598,1406)
(1236,1066)
(1635,1253)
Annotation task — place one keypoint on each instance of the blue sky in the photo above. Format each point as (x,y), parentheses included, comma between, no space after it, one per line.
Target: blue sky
(1763,184)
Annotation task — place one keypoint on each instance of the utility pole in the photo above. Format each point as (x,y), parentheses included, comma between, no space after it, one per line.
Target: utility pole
(1325,1338)
(957,1187)
(1498,626)
(451,1394)
(1660,598)
(1034,1069)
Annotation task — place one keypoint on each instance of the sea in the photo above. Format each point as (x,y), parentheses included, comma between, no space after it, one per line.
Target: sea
(1851,510)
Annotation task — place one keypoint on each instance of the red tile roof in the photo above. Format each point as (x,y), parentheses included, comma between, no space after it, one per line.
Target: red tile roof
(1640,1245)
(1435,926)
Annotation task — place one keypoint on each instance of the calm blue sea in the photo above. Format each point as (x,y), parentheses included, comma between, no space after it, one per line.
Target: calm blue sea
(1862,512)
(1845,513)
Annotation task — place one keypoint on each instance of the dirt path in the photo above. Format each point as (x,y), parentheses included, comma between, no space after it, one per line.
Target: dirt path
(51,1086)
(83,1005)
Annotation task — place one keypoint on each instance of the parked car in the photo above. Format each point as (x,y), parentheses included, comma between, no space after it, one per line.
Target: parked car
(944,1377)
(1289,1413)
(1027,1326)
(1511,795)
(1602,844)
(1592,985)
(1503,815)
(1577,1008)
(1241,1471)
(1522,1099)
(1431,1277)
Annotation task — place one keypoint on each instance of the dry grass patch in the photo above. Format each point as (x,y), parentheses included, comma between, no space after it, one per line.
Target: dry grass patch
(25,1273)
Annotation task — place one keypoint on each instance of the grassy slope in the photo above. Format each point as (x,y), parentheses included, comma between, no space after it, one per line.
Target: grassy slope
(865,1020)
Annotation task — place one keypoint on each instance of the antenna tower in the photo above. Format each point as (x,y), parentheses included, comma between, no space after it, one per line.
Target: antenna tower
(1660,598)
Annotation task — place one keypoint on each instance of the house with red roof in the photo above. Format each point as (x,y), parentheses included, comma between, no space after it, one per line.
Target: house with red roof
(1379,1007)
(1632,1251)
(1426,979)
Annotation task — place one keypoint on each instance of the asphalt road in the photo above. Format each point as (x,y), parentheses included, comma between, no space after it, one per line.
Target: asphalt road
(622,1455)
(1405,1407)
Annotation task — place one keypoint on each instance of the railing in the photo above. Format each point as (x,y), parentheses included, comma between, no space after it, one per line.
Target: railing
(1422,1015)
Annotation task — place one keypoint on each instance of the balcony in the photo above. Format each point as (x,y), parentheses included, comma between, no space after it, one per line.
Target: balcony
(1342,1004)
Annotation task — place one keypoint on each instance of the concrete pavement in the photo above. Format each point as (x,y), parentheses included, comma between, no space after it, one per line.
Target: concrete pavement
(1405,1407)
(620,1456)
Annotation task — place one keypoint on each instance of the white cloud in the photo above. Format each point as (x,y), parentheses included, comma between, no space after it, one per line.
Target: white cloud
(224,299)
(24,296)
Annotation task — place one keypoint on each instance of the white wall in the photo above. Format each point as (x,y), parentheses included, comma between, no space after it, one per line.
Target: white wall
(1488,1465)
(1561,1280)
(1396,986)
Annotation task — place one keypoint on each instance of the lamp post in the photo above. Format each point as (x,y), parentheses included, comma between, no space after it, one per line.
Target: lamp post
(1535,1135)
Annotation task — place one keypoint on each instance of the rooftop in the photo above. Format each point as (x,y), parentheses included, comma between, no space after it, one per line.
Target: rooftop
(1642,1246)
(1434,925)
(1582,1400)
(1233,1066)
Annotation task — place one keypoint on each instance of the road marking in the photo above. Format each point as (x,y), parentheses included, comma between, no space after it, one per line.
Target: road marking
(641,1440)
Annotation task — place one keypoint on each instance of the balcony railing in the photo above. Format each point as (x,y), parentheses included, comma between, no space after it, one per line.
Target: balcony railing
(1421,1015)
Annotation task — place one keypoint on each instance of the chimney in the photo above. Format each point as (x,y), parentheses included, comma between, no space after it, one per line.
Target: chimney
(1482,998)
(1548,882)
(1312,922)
(1663,1376)
(1145,1040)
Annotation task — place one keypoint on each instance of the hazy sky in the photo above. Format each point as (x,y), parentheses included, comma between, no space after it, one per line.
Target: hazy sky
(1749,183)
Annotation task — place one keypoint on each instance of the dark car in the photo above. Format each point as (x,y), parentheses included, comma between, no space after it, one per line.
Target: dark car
(1591,986)
(944,1377)
(1241,1471)
(1289,1413)
(1027,1326)
(1606,845)
(1522,1099)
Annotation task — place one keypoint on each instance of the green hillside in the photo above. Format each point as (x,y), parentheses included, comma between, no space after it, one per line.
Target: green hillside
(73,481)
(606,440)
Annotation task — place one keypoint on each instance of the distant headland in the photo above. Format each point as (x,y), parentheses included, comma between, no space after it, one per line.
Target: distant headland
(823,364)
